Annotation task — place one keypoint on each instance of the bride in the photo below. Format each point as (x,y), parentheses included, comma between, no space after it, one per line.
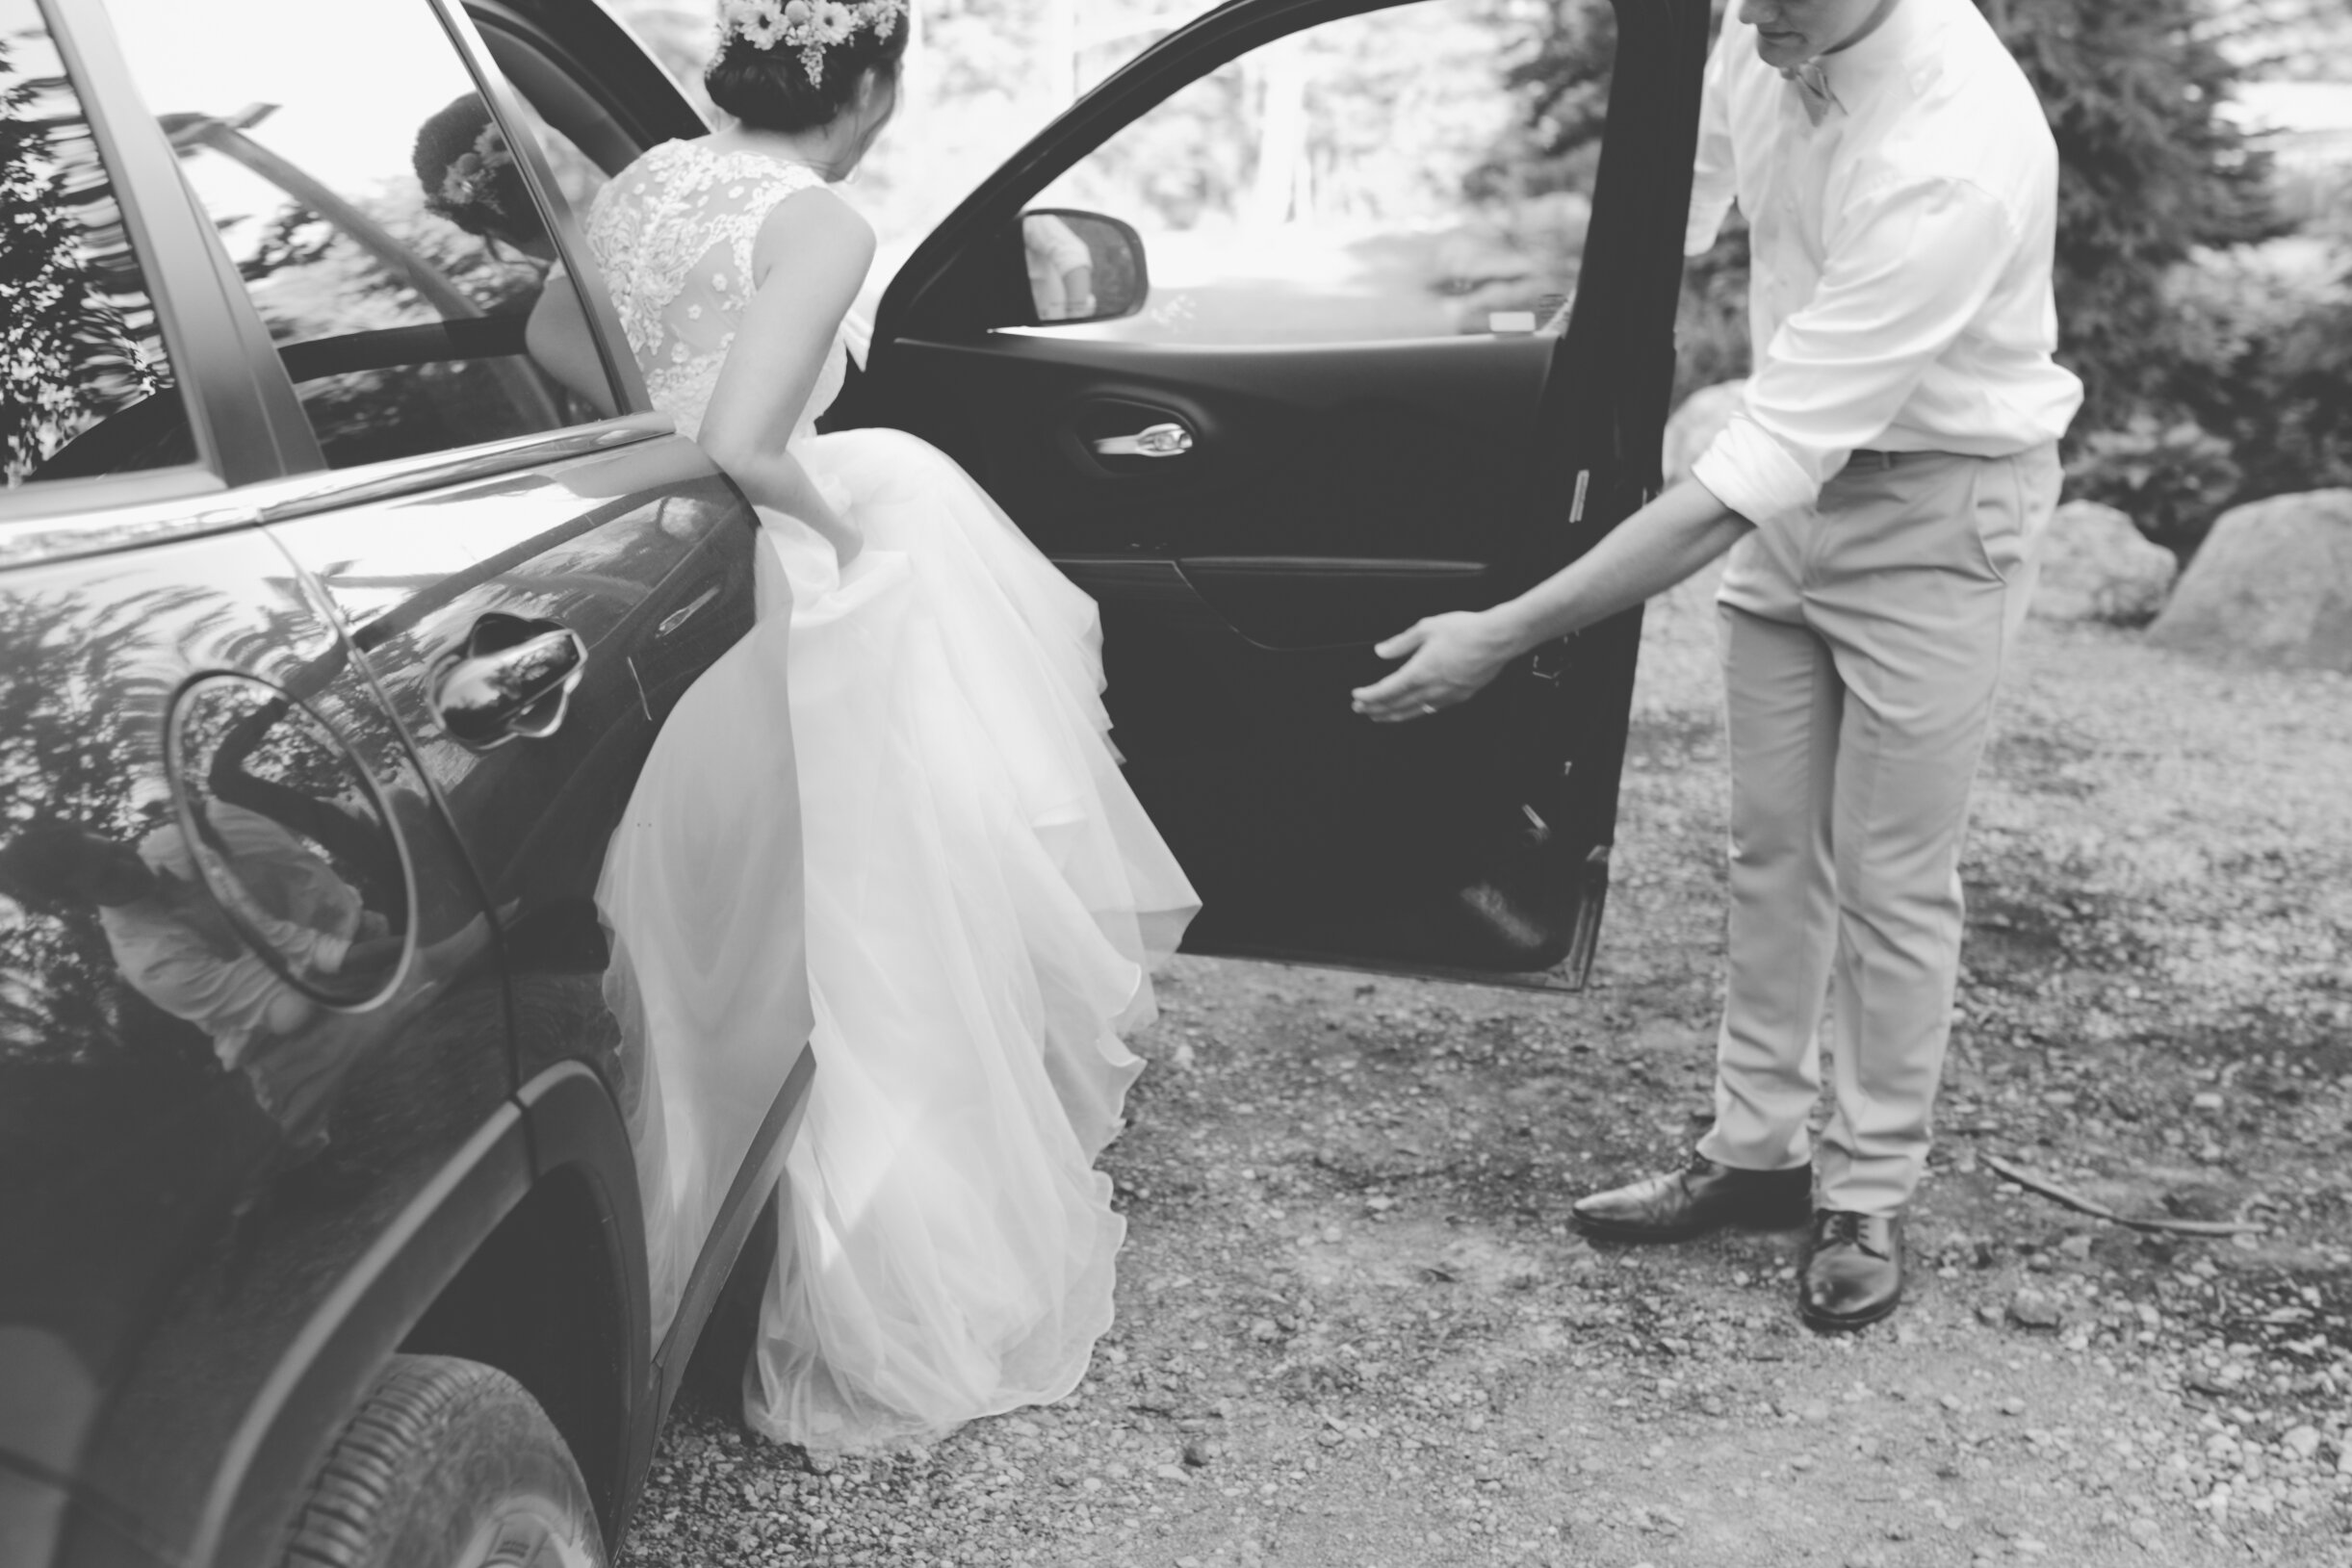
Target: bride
(984,896)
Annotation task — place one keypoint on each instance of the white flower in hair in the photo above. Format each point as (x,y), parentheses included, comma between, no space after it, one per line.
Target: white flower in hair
(761,23)
(809,26)
(833,23)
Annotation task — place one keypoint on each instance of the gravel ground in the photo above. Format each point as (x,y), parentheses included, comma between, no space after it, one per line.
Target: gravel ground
(1354,1327)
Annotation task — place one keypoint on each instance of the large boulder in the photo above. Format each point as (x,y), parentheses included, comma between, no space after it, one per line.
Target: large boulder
(2272,584)
(2098,566)
(1694,426)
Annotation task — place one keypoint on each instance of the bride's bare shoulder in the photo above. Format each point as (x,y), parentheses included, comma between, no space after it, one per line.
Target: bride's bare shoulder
(815,218)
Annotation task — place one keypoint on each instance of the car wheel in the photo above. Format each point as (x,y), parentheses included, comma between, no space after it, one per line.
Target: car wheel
(448,1464)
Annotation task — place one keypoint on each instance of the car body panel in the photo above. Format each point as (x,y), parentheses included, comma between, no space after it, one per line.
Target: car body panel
(646,555)
(169,1223)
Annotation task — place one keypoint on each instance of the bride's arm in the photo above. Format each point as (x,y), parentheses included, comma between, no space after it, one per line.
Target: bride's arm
(810,259)
(556,336)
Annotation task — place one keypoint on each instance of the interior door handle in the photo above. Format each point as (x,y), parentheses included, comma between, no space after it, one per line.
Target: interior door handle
(1158,441)
(513,679)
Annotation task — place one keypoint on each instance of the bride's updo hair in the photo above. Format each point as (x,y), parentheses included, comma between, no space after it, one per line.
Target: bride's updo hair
(468,173)
(769,90)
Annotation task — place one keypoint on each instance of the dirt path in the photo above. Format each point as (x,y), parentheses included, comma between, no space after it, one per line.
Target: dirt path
(1354,1327)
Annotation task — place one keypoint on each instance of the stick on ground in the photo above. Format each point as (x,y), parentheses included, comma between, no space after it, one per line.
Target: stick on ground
(2034,1182)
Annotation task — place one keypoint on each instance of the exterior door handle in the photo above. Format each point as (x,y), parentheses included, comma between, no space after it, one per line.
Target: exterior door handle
(513,679)
(1159,441)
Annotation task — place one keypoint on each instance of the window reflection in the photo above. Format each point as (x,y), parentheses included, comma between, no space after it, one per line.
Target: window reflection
(379,218)
(89,384)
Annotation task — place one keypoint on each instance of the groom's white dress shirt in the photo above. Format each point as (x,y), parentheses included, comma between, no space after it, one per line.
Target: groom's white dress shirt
(1899,297)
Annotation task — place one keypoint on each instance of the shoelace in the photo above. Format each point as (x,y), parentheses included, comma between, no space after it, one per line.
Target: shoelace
(1842,1228)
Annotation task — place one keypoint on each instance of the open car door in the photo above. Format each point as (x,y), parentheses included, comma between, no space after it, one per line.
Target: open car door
(1260,479)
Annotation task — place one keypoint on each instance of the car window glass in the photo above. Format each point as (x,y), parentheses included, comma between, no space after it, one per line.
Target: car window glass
(1340,185)
(584,143)
(376,213)
(90,386)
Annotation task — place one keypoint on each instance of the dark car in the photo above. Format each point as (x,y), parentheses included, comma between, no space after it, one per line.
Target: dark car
(333,634)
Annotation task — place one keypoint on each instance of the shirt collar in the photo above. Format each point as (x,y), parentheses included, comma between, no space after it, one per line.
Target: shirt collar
(1894,46)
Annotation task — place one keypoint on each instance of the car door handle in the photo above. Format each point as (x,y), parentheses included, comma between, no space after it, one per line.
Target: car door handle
(513,679)
(1157,441)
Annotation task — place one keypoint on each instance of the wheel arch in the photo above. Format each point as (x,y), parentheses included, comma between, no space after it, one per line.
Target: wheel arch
(525,1253)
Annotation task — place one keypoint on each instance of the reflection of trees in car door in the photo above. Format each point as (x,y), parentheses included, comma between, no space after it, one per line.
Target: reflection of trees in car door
(77,332)
(236,1145)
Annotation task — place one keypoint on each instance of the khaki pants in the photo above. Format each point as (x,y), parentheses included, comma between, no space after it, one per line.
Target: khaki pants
(1861,646)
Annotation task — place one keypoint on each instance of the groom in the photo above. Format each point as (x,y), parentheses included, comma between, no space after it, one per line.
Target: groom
(1882,491)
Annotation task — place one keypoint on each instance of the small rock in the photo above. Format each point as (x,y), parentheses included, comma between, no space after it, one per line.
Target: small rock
(2270,583)
(1329,1438)
(2206,1100)
(2012,1406)
(2301,1441)
(1199,1451)
(2096,566)
(1174,1472)
(2031,1309)
(2077,1248)
(1264,1329)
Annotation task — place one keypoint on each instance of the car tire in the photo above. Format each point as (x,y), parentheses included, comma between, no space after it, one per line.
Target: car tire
(447,1464)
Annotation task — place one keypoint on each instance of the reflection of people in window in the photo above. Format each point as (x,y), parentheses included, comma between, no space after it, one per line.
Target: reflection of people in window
(470,178)
(1061,268)
(174,946)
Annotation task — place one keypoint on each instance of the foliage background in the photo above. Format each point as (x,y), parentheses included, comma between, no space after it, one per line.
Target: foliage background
(2205,298)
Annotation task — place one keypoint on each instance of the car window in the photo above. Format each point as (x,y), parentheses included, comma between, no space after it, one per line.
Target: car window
(89,385)
(1340,185)
(375,209)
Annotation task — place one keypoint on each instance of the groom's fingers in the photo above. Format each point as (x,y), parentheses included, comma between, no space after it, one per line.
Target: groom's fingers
(1403,642)
(1399,696)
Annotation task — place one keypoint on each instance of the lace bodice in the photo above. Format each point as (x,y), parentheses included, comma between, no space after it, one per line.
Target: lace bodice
(673,233)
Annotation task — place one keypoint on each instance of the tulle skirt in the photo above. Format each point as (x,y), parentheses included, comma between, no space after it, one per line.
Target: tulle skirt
(985,901)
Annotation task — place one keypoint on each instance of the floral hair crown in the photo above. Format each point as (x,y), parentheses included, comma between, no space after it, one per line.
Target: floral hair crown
(809,26)
(471,179)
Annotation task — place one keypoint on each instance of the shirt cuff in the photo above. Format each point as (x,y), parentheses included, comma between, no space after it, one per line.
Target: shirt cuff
(1754,474)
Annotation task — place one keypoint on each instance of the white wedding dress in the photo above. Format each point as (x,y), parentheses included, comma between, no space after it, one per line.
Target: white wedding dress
(984,896)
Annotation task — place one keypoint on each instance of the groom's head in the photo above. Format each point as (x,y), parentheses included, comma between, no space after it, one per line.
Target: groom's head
(1791,31)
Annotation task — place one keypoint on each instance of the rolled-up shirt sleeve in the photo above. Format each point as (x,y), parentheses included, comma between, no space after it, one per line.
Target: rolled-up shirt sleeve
(1907,273)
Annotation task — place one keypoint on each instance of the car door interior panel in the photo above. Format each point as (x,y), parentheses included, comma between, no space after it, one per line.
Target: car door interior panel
(1253,517)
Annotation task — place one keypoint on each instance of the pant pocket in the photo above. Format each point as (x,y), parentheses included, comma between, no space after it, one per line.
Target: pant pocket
(2000,508)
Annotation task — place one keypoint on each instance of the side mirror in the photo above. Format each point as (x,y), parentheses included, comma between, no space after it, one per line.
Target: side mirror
(1083,267)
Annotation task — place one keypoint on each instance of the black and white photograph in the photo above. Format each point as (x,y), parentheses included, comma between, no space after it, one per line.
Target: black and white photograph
(1175,784)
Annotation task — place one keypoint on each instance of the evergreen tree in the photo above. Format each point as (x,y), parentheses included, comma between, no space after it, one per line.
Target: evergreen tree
(2150,171)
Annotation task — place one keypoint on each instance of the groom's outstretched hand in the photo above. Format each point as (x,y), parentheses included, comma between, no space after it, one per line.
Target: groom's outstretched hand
(1448,658)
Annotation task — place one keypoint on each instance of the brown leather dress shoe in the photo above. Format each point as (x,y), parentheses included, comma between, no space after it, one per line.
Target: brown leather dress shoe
(1700,1197)
(1852,1273)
